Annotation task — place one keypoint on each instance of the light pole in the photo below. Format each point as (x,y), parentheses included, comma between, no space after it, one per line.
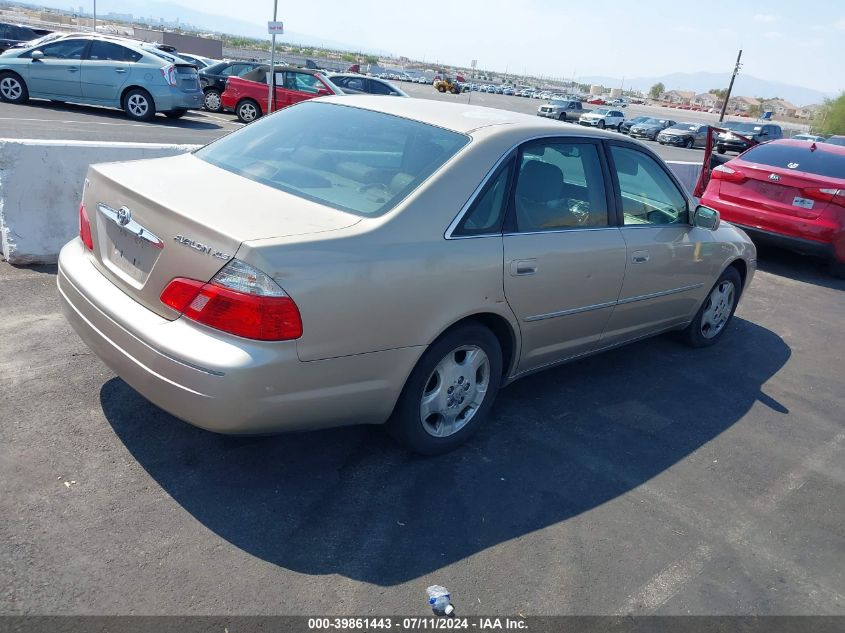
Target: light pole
(272,92)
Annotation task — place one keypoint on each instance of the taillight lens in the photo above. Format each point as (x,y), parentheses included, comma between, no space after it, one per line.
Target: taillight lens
(823,194)
(85,228)
(240,300)
(729,174)
(169,73)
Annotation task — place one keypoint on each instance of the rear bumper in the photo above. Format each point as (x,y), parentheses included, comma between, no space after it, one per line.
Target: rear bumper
(822,236)
(220,382)
(167,99)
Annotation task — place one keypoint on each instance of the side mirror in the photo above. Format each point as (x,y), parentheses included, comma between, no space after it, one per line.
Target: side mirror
(705,218)
(322,92)
(35,55)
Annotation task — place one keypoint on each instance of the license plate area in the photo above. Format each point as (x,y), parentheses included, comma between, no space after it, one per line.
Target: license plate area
(128,255)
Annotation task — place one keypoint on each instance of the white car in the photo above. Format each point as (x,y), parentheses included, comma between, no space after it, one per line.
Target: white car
(603,118)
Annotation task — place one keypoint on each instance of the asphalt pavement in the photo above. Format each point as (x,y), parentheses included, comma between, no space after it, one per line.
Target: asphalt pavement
(654,479)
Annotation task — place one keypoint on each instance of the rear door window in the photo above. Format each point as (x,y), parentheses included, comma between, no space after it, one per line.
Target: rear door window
(102,51)
(380,88)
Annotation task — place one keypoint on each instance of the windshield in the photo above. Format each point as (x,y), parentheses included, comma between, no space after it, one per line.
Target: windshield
(601,111)
(352,159)
(653,121)
(801,158)
(559,102)
(746,127)
(691,127)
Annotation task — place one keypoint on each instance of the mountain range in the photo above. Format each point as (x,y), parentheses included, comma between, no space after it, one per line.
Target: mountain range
(745,85)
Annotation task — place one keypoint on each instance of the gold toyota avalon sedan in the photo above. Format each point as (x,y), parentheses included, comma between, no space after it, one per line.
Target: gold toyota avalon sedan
(360,260)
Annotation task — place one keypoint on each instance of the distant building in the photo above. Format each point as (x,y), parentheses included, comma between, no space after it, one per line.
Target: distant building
(706,100)
(808,111)
(682,97)
(780,107)
(742,104)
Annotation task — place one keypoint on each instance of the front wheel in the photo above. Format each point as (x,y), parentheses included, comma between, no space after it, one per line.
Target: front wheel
(689,143)
(12,89)
(720,150)
(716,312)
(601,125)
(562,116)
(139,105)
(450,392)
(247,111)
(619,128)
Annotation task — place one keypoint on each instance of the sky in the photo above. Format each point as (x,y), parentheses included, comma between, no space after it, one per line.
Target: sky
(796,42)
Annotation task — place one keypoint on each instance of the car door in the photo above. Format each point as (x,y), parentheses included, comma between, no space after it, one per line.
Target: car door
(665,270)
(701,136)
(564,259)
(57,74)
(301,86)
(105,70)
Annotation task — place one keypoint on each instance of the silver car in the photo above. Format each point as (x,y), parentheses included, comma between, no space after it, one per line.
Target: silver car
(361,260)
(104,71)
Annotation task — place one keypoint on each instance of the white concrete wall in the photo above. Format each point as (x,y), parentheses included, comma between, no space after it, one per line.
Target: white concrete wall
(41,187)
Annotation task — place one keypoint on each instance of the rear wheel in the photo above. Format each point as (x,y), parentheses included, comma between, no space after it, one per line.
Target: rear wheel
(247,111)
(12,88)
(450,392)
(619,128)
(441,89)
(211,100)
(716,312)
(837,269)
(139,105)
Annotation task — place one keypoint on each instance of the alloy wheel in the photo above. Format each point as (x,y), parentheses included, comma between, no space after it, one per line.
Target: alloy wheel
(138,105)
(248,112)
(11,88)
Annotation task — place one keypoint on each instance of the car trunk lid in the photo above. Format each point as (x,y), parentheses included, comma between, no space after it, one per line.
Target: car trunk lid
(158,219)
(775,190)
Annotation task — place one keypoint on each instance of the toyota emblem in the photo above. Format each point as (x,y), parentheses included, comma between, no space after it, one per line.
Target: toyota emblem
(124,215)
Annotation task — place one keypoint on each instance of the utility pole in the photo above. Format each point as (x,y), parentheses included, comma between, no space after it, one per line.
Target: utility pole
(272,92)
(730,87)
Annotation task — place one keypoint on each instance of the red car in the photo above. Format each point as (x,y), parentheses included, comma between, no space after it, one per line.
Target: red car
(247,95)
(787,192)
(597,101)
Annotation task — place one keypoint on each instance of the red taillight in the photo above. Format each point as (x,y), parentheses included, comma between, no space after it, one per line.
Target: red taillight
(825,194)
(85,228)
(169,73)
(247,314)
(723,172)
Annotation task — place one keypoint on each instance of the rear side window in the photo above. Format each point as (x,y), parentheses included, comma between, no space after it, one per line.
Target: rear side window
(110,51)
(487,213)
(356,160)
(802,158)
(379,88)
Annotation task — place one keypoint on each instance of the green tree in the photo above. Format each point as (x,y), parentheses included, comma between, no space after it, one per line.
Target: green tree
(657,90)
(372,59)
(831,117)
(348,57)
(721,93)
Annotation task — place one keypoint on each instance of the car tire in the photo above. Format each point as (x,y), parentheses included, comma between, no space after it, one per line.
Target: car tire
(562,116)
(716,312)
(175,114)
(837,269)
(13,88)
(720,150)
(248,111)
(441,89)
(601,125)
(438,380)
(211,100)
(138,105)
(619,128)
(689,143)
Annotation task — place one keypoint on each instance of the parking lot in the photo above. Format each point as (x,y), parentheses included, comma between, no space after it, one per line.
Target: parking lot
(41,119)
(654,479)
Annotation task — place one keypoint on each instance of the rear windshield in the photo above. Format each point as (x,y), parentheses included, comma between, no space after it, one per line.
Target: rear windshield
(800,158)
(352,159)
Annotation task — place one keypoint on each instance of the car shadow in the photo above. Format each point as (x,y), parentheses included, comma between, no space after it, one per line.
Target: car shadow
(119,116)
(559,443)
(805,268)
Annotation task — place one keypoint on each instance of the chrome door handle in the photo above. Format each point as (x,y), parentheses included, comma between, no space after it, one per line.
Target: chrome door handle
(120,70)
(523,267)
(639,257)
(73,70)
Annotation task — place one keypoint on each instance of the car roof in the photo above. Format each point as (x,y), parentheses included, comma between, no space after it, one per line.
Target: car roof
(458,117)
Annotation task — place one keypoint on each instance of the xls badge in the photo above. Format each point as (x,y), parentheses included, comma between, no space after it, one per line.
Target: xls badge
(201,248)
